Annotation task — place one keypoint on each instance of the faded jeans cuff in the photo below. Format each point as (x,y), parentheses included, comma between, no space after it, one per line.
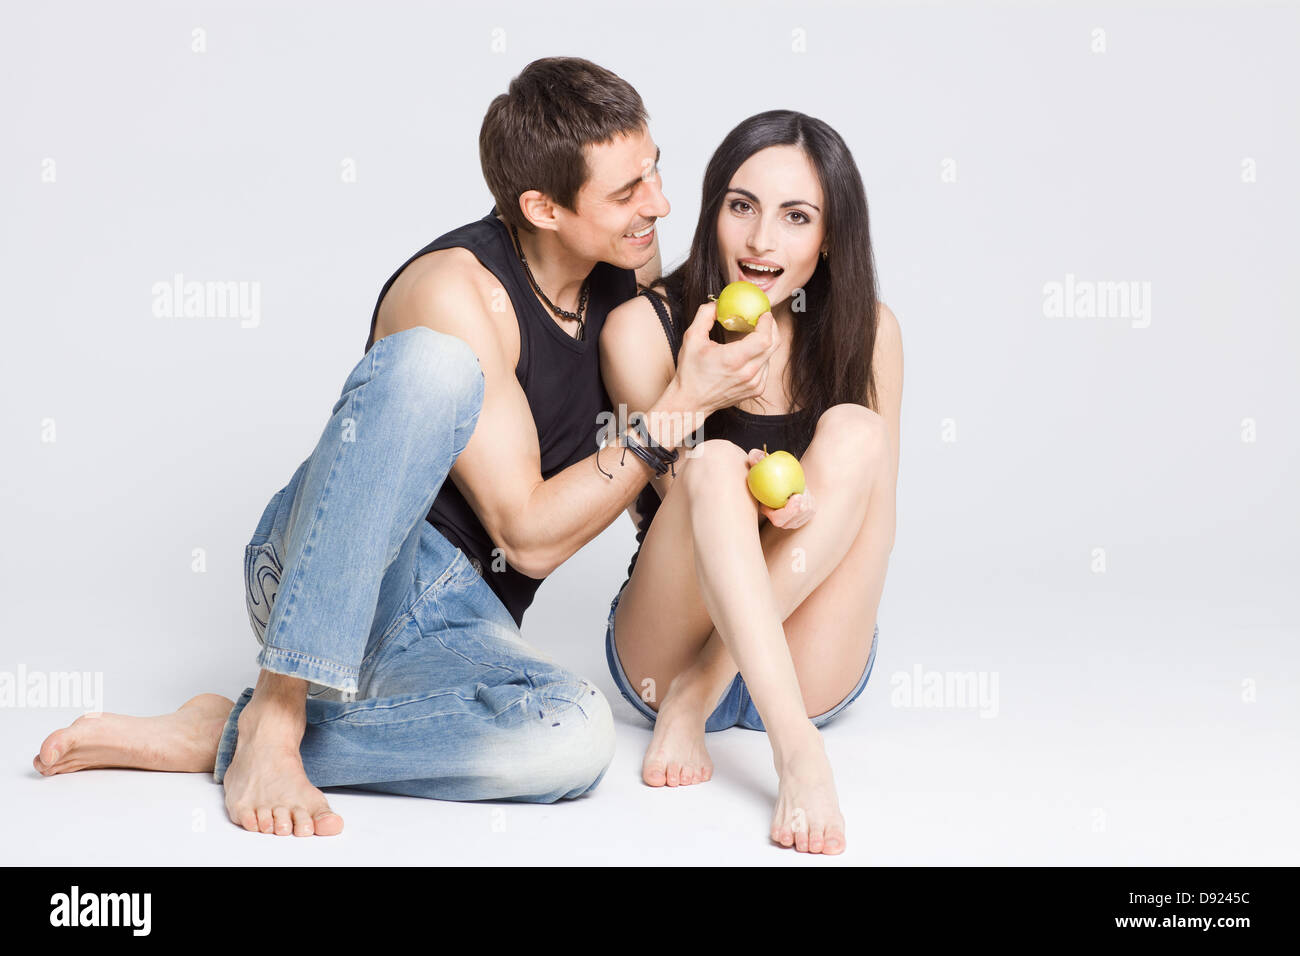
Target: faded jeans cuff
(229,735)
(316,670)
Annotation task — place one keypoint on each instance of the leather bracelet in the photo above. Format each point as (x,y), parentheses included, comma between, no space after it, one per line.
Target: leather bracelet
(637,421)
(631,444)
(628,443)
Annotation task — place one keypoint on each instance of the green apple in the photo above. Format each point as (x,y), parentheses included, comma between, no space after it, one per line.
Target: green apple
(774,479)
(739,306)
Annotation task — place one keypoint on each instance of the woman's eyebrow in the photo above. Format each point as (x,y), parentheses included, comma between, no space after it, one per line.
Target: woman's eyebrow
(789,202)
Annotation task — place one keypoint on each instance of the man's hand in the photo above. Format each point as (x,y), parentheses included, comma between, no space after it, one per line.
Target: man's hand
(798,509)
(712,375)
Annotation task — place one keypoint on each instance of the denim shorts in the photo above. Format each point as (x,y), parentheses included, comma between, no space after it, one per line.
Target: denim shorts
(736,709)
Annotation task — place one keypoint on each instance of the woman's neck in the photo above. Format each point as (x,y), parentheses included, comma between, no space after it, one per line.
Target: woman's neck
(775,399)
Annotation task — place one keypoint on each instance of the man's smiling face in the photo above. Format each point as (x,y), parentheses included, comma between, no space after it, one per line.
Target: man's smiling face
(615,211)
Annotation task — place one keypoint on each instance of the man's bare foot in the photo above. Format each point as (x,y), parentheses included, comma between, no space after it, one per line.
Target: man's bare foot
(676,755)
(181,742)
(267,790)
(807,814)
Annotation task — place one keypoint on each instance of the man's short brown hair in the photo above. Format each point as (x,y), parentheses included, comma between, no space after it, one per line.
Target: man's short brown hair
(533,136)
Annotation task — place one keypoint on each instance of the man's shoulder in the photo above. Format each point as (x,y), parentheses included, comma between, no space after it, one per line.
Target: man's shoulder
(448,290)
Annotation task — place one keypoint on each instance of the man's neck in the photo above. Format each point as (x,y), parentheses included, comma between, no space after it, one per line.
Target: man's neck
(557,273)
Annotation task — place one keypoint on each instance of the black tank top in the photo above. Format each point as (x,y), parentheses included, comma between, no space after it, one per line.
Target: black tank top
(559,374)
(746,429)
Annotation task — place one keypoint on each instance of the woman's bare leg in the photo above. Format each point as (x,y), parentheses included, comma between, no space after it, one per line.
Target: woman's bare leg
(828,656)
(667,612)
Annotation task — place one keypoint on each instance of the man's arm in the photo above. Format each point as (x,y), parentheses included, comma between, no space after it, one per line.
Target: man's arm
(637,365)
(540,524)
(537,524)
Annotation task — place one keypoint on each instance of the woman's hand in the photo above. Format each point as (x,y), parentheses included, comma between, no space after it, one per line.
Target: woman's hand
(798,509)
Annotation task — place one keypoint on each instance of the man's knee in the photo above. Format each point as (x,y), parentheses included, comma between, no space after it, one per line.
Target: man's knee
(579,738)
(433,368)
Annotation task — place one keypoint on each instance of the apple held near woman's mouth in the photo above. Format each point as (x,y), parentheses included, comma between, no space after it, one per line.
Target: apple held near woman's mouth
(739,306)
(774,479)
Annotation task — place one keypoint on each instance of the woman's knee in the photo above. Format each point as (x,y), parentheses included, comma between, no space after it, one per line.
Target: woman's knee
(712,464)
(855,432)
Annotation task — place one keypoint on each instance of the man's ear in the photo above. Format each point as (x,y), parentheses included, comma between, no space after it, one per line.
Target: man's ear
(538,209)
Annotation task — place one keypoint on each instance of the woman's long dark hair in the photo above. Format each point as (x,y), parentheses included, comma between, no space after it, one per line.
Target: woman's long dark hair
(835,335)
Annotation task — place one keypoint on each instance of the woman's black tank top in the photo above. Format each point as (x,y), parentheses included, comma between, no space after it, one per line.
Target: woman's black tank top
(746,429)
(559,374)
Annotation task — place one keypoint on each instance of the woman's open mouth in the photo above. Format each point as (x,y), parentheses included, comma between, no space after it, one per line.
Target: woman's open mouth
(762,272)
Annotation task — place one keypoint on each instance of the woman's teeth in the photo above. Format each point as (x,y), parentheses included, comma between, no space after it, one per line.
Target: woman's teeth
(644,232)
(760,272)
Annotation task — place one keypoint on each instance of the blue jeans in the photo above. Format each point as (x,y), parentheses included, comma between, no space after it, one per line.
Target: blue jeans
(419,681)
(735,709)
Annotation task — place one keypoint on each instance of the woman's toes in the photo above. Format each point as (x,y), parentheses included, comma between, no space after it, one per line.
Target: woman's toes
(654,773)
(800,832)
(265,822)
(834,839)
(674,774)
(782,835)
(246,819)
(283,821)
(816,839)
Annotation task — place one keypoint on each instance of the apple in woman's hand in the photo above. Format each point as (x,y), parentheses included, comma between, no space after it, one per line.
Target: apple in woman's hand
(740,305)
(775,478)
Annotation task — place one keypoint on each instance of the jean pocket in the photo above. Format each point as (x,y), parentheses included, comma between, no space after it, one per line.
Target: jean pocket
(266,524)
(263,570)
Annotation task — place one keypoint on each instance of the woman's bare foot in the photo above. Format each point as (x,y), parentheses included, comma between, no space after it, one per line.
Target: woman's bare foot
(676,755)
(807,814)
(181,742)
(267,790)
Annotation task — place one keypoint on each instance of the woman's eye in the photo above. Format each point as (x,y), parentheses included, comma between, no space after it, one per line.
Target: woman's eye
(802,217)
(737,203)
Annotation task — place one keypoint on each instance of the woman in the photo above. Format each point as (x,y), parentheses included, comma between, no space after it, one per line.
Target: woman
(720,581)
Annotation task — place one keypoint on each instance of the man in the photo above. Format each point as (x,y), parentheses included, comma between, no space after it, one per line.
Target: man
(387,600)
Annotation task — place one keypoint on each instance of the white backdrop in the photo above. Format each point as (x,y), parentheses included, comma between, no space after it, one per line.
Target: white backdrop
(1096,510)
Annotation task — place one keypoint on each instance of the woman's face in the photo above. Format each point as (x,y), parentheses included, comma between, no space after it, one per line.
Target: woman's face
(770,227)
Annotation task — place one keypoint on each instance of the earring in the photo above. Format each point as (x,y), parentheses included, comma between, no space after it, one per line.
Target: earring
(825,254)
